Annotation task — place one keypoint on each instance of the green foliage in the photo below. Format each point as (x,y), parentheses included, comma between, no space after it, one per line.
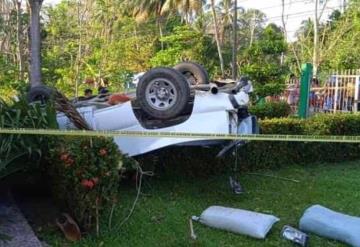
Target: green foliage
(84,175)
(334,124)
(9,58)
(115,39)
(7,70)
(338,42)
(74,52)
(166,203)
(284,126)
(19,114)
(277,154)
(262,62)
(271,110)
(268,89)
(185,43)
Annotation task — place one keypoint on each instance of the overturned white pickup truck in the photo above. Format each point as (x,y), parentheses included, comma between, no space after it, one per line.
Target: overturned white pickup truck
(172,100)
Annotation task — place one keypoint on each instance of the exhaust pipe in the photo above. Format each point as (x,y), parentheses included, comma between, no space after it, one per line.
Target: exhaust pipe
(230,89)
(207,87)
(214,90)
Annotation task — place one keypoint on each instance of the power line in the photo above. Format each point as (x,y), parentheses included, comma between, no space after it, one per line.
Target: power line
(299,14)
(280,5)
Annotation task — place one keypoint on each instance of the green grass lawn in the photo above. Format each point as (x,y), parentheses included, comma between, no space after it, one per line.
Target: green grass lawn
(161,216)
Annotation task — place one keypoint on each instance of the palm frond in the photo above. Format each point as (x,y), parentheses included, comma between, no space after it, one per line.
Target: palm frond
(20,114)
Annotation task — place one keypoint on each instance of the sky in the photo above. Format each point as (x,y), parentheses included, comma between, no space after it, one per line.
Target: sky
(295,10)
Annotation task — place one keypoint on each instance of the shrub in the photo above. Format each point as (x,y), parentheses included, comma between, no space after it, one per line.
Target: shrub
(188,161)
(285,126)
(334,124)
(20,114)
(257,155)
(275,154)
(84,174)
(271,110)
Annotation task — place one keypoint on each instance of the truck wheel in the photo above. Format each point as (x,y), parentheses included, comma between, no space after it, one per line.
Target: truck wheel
(40,94)
(194,73)
(163,93)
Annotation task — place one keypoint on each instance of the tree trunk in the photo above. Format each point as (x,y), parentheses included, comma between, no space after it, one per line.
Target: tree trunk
(19,37)
(35,43)
(291,45)
(234,48)
(217,38)
(252,29)
(316,40)
(79,55)
(161,36)
(159,24)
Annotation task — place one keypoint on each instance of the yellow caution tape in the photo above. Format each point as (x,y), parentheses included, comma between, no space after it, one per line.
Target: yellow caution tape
(212,136)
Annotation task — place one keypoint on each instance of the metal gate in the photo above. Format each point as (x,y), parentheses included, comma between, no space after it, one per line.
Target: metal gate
(339,93)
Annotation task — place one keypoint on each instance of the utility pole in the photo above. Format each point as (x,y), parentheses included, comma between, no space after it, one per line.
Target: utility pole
(234,51)
(316,39)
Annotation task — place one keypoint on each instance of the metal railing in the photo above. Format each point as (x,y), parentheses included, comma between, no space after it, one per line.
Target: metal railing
(338,93)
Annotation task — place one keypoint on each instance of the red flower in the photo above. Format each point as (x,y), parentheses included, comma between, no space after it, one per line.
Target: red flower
(88,184)
(103,152)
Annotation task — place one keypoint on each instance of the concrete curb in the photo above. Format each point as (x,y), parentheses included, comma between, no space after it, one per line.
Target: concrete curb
(14,225)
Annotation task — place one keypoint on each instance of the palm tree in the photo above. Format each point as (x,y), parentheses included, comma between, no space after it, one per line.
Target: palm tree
(143,9)
(251,25)
(225,17)
(225,8)
(35,42)
(186,8)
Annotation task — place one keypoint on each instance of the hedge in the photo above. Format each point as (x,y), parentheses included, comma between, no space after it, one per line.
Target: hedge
(276,154)
(201,161)
(271,110)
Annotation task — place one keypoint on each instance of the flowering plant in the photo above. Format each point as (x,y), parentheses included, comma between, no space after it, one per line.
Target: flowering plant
(85,176)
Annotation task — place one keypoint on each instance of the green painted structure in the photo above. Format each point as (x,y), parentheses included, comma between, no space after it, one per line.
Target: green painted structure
(305,83)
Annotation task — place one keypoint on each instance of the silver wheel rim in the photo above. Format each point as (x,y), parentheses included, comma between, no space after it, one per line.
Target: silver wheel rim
(161,94)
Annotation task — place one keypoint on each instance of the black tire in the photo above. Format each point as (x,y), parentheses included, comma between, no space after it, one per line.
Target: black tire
(40,94)
(163,93)
(194,73)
